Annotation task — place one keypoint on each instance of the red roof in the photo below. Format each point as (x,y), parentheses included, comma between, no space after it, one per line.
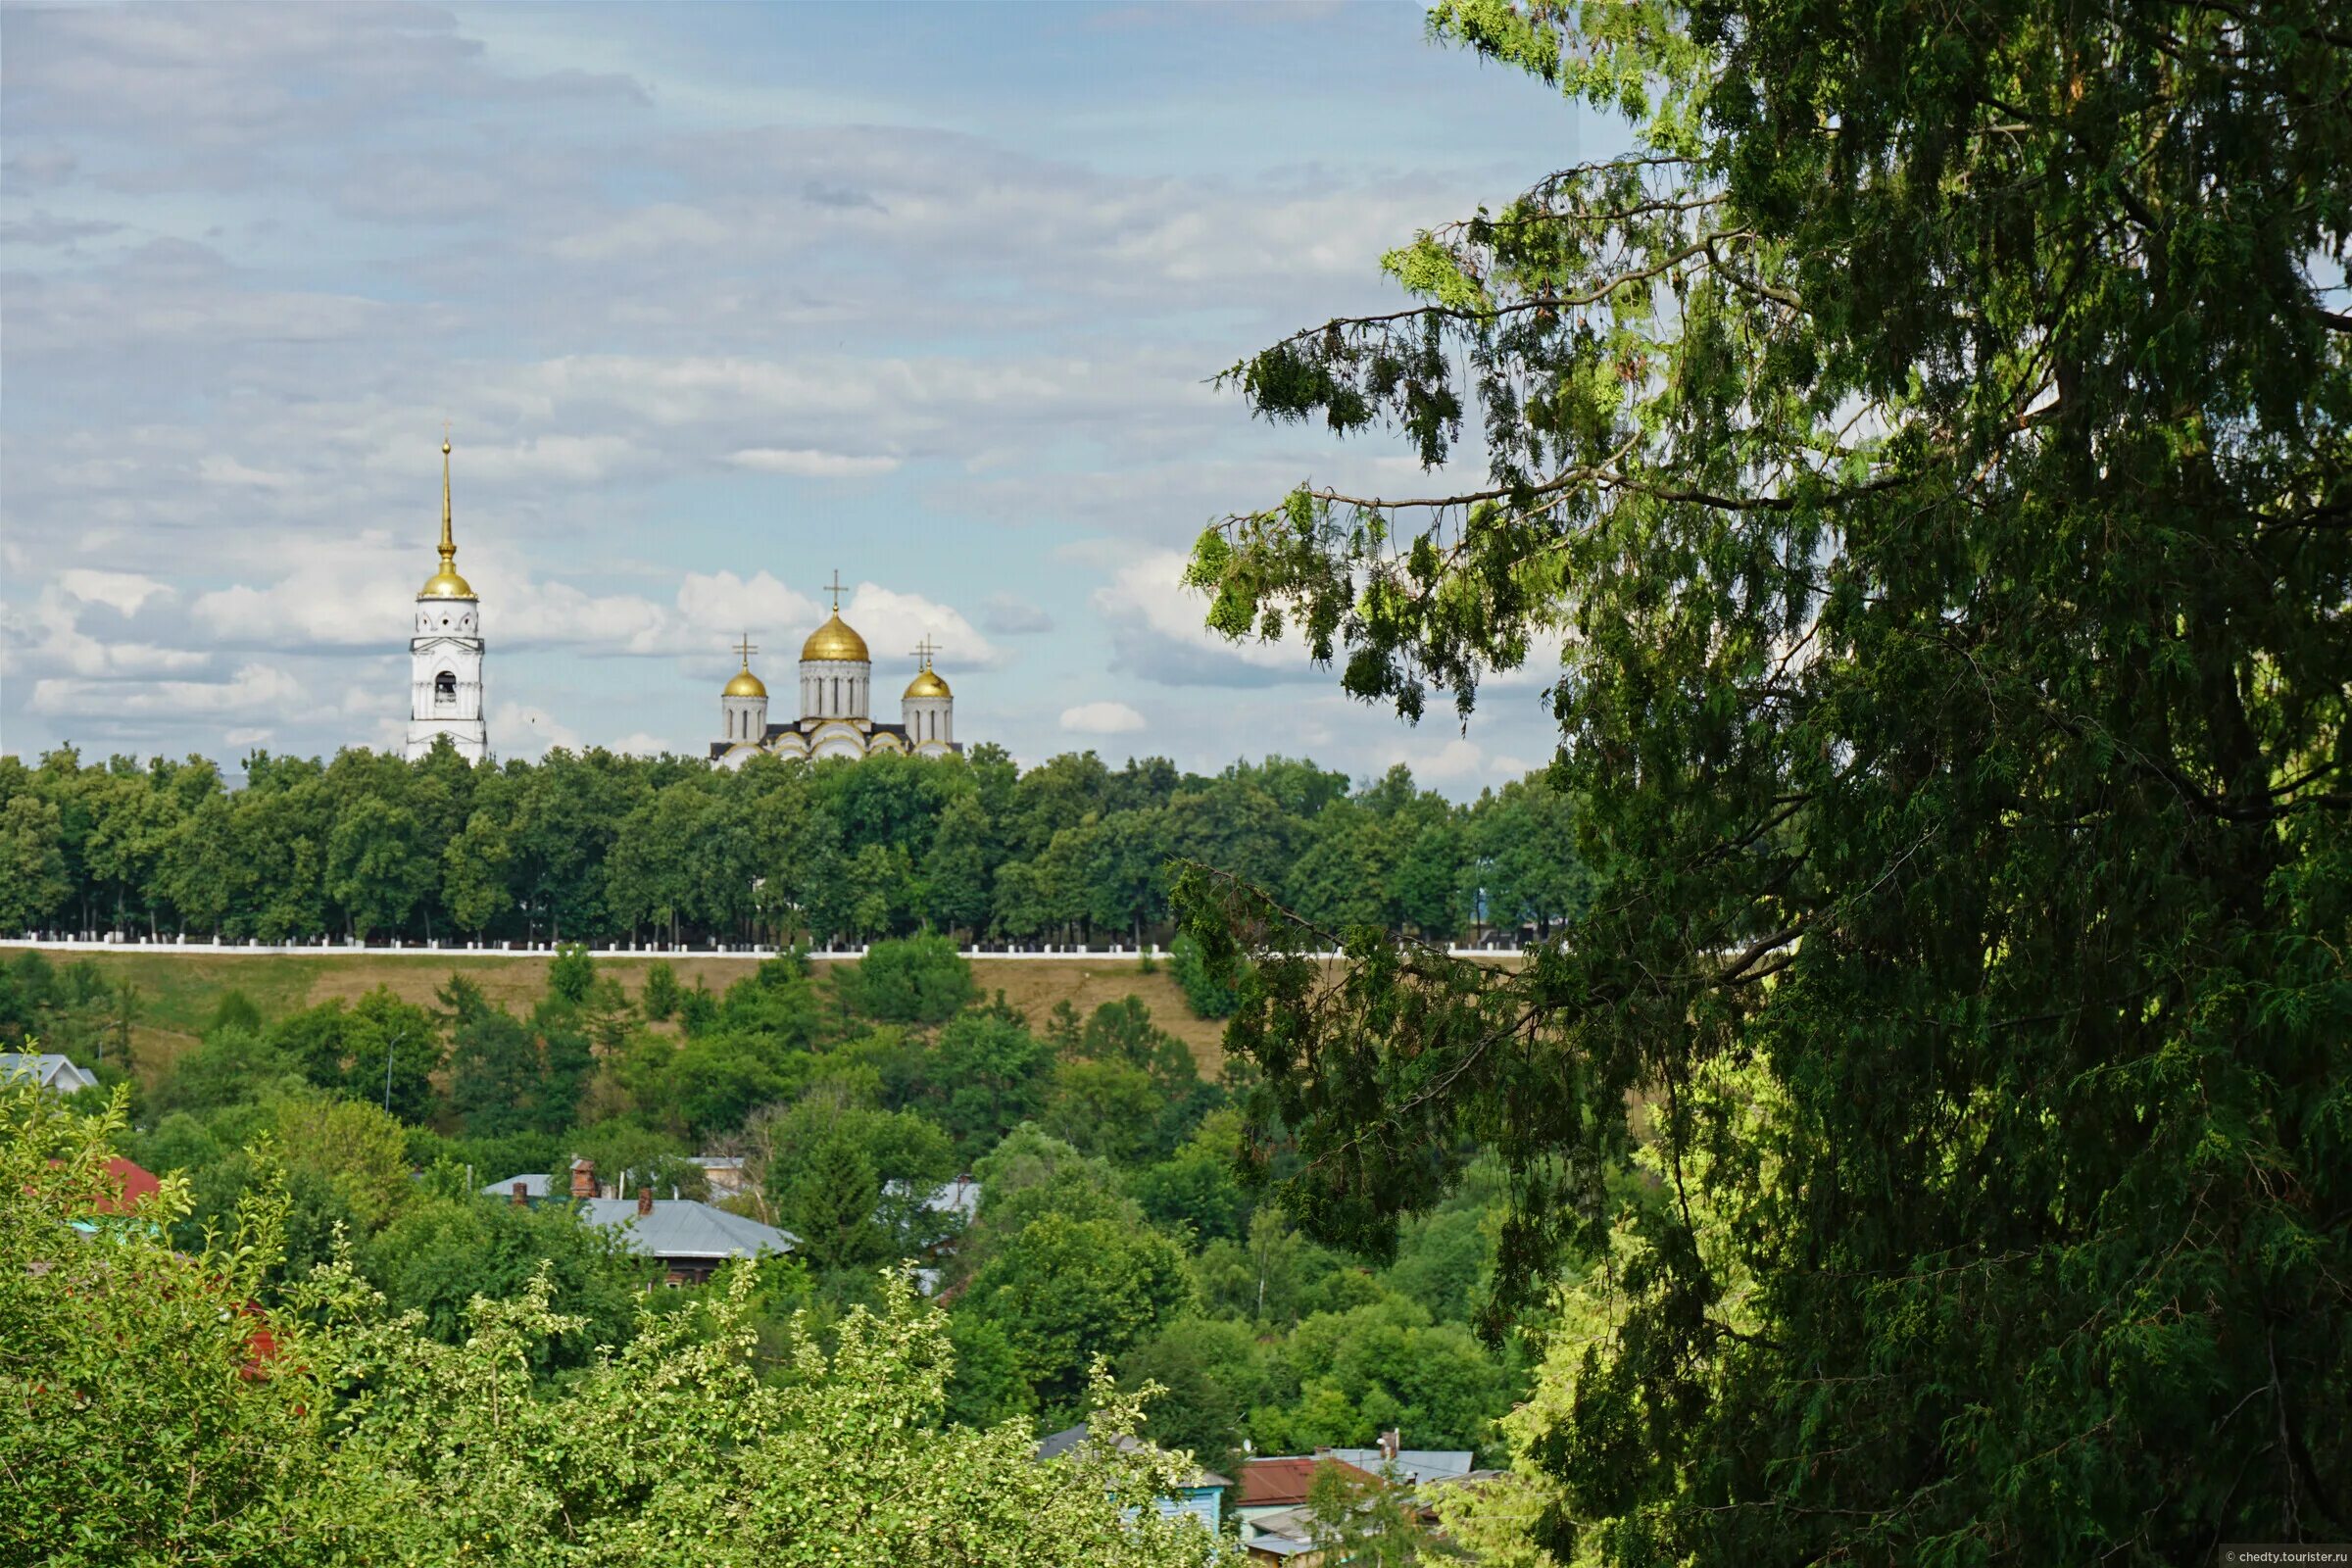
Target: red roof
(134,1182)
(1282,1482)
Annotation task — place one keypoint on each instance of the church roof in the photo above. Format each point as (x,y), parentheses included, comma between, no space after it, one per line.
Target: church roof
(834,640)
(926,683)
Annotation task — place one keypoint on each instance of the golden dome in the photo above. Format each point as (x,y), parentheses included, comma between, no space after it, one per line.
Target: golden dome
(926,683)
(446,584)
(835,641)
(746,684)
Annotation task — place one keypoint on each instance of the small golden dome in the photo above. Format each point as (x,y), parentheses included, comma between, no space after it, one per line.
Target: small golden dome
(746,684)
(835,641)
(926,683)
(446,584)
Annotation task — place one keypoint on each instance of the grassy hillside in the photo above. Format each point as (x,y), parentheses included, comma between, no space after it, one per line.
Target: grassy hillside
(178,991)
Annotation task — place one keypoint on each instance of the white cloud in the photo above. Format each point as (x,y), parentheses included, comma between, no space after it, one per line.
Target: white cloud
(525,730)
(1101,719)
(254,689)
(893,622)
(123,592)
(809,463)
(721,605)
(1158,631)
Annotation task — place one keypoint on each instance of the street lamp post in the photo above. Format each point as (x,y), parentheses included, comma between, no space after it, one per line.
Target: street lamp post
(389,1045)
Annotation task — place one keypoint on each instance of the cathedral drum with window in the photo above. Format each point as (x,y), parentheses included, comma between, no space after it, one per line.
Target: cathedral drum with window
(445,655)
(836,704)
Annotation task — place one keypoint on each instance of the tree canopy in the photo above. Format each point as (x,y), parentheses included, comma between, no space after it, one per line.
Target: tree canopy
(1927,447)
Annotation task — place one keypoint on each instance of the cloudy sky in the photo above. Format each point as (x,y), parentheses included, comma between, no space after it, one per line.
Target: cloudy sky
(716,300)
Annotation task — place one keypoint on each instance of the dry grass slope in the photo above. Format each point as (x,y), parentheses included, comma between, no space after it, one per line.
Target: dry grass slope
(178,991)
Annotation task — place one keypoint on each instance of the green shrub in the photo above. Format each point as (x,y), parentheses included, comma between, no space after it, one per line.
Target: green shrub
(1206,994)
(915,980)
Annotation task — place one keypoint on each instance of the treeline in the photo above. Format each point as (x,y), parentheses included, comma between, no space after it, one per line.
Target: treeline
(601,848)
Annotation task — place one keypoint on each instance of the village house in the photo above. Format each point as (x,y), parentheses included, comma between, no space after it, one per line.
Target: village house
(49,1071)
(689,1239)
(1203,1496)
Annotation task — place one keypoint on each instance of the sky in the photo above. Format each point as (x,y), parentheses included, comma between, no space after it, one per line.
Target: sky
(716,301)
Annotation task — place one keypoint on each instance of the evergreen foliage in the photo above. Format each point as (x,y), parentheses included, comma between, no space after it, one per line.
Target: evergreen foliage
(1930,447)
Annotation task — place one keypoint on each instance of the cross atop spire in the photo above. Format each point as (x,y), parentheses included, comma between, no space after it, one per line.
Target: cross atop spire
(926,650)
(746,648)
(836,587)
(449,544)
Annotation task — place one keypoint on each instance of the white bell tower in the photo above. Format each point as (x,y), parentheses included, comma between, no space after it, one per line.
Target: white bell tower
(445,655)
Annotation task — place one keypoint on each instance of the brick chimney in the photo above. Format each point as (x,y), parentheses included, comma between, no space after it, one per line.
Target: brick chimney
(645,1201)
(1390,1441)
(522,1195)
(583,1178)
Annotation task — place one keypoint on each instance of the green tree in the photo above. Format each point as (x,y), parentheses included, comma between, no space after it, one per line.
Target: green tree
(375,869)
(1204,992)
(829,1200)
(916,980)
(473,885)
(1065,1290)
(339,1432)
(33,885)
(1932,444)
(495,1069)
(443,1253)
(133,1431)
(984,1076)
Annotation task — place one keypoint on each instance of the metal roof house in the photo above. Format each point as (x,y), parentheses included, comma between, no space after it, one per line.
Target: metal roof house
(50,1071)
(1416,1467)
(691,1239)
(1204,1496)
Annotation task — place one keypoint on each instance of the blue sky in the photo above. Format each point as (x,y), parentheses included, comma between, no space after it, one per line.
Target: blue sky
(717,300)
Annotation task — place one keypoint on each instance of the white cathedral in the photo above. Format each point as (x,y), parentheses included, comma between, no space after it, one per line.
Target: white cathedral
(445,684)
(837,677)
(445,655)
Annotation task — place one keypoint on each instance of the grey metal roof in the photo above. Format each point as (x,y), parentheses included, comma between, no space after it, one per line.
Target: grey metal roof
(960,1197)
(46,1069)
(1062,1442)
(682,1227)
(1069,1438)
(1416,1465)
(1279,1545)
(533,1186)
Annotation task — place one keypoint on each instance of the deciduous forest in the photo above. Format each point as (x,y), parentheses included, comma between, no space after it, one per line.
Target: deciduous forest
(603,849)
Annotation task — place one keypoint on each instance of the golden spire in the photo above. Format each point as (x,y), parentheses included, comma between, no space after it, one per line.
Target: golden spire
(446,583)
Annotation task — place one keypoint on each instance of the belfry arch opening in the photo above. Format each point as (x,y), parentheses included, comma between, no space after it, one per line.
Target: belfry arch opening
(445,688)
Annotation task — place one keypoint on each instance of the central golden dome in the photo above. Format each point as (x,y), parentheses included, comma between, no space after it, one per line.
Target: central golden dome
(746,684)
(835,641)
(926,683)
